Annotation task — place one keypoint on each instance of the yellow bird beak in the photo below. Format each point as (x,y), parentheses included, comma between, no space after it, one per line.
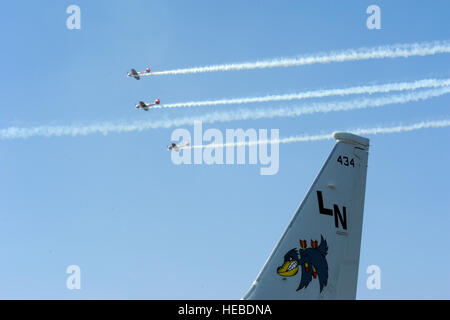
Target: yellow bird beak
(288,269)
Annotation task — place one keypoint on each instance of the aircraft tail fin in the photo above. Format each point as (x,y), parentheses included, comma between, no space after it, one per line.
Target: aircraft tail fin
(317,257)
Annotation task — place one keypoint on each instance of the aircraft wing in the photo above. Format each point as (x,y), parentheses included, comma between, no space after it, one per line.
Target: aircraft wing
(134,74)
(143,105)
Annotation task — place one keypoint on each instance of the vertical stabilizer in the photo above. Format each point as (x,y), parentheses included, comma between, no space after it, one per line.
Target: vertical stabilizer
(317,257)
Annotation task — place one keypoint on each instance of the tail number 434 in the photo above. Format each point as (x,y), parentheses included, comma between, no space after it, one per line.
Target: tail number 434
(345,161)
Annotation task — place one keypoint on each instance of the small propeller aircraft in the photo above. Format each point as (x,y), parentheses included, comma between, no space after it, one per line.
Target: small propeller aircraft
(137,75)
(177,147)
(146,106)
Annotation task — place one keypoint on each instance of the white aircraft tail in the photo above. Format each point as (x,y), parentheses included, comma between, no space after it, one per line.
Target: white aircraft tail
(317,257)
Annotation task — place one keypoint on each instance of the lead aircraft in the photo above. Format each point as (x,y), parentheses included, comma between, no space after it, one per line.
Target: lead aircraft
(317,256)
(137,74)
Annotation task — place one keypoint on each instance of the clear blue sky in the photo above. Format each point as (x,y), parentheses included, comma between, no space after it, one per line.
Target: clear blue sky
(141,227)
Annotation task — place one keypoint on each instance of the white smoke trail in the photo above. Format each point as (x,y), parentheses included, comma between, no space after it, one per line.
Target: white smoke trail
(310,138)
(388,51)
(369,89)
(105,128)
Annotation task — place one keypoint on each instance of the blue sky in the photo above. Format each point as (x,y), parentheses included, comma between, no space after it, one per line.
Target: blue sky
(141,227)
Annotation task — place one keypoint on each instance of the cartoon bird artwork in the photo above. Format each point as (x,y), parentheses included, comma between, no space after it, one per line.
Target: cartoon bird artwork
(312,261)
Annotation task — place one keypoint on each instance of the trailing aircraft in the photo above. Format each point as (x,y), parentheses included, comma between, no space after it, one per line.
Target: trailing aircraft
(146,106)
(176,147)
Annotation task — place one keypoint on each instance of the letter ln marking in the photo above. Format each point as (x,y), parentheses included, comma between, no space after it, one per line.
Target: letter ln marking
(338,215)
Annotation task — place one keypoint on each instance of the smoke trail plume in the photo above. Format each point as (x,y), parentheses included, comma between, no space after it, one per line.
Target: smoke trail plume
(370,89)
(381,52)
(310,138)
(293,111)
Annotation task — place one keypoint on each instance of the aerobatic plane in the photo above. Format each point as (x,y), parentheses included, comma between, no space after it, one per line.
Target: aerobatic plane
(137,75)
(177,147)
(146,106)
(317,256)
